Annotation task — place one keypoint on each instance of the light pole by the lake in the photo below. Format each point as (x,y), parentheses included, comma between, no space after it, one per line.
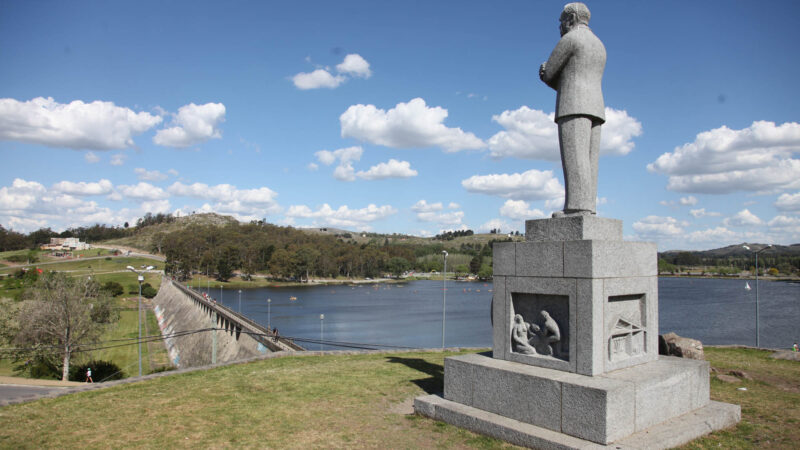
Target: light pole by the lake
(758,341)
(321,330)
(220,294)
(444,294)
(140,278)
(240,301)
(269,303)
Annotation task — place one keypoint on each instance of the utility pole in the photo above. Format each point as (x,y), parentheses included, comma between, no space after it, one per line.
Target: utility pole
(214,338)
(140,278)
(444,294)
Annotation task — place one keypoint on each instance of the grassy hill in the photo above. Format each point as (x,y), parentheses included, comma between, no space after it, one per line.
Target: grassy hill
(337,401)
(142,238)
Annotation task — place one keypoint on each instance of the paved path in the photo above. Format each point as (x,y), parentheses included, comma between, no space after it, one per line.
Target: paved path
(13,393)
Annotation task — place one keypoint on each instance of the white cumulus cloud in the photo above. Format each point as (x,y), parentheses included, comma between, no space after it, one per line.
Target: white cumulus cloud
(788,202)
(532,134)
(701,212)
(721,161)
(149,175)
(424,206)
(77,125)
(91,157)
(101,187)
(319,78)
(117,159)
(142,192)
(520,210)
(743,218)
(688,201)
(655,227)
(495,224)
(345,156)
(407,125)
(343,216)
(355,65)
(391,169)
(530,185)
(193,124)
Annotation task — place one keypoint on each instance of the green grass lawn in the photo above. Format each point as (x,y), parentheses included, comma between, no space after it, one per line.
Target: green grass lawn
(337,401)
(154,354)
(770,405)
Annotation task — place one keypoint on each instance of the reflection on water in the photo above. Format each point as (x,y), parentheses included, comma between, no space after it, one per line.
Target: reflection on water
(410,314)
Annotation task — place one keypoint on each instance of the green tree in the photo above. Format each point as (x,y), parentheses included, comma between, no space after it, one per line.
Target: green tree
(398,265)
(475,264)
(61,314)
(485,273)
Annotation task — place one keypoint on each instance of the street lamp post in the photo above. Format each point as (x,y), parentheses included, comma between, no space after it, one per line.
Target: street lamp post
(758,340)
(269,303)
(140,278)
(220,294)
(240,301)
(444,294)
(321,330)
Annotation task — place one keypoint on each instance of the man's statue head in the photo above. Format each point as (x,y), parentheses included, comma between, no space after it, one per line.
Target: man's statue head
(574,14)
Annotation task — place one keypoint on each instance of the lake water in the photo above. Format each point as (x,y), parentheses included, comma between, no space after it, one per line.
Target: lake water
(410,315)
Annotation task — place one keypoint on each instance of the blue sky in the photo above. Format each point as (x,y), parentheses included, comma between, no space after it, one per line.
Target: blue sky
(407,117)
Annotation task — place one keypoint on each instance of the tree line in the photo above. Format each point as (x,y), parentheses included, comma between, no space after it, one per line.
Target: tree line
(285,253)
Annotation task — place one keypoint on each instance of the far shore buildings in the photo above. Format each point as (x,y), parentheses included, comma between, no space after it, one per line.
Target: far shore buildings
(66,244)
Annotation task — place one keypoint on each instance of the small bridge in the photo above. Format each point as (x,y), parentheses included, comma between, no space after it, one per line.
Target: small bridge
(235,324)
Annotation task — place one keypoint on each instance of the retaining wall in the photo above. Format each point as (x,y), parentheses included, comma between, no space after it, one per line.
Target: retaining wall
(177,311)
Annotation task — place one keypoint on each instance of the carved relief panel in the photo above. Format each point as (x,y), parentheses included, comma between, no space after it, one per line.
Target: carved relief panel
(540,325)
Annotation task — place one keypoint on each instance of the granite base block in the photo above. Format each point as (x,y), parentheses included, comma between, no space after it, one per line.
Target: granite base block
(600,409)
(573,228)
(671,433)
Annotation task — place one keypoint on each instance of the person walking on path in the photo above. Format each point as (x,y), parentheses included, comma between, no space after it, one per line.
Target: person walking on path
(89,375)
(795,348)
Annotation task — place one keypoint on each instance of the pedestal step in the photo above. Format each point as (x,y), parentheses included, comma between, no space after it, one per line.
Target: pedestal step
(671,433)
(601,409)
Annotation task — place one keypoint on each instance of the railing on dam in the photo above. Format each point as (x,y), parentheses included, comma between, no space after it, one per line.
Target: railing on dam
(235,322)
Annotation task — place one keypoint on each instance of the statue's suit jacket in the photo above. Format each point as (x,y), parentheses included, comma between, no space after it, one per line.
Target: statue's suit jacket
(575,70)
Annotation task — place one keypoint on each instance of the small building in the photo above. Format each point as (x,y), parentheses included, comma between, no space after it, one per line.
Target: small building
(67,244)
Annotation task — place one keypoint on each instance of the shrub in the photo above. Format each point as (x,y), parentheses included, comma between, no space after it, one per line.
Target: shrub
(148,291)
(101,371)
(113,288)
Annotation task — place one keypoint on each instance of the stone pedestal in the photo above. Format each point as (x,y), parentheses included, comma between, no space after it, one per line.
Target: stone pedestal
(575,347)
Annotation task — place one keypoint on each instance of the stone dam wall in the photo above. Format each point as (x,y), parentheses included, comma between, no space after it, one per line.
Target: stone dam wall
(179,310)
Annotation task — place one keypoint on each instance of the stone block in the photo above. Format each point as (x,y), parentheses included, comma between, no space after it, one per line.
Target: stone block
(459,380)
(573,228)
(598,409)
(540,259)
(665,388)
(609,259)
(500,321)
(504,261)
(513,391)
(589,333)
(426,405)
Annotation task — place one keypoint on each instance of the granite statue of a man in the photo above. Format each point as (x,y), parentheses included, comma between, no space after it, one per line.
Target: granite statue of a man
(575,71)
